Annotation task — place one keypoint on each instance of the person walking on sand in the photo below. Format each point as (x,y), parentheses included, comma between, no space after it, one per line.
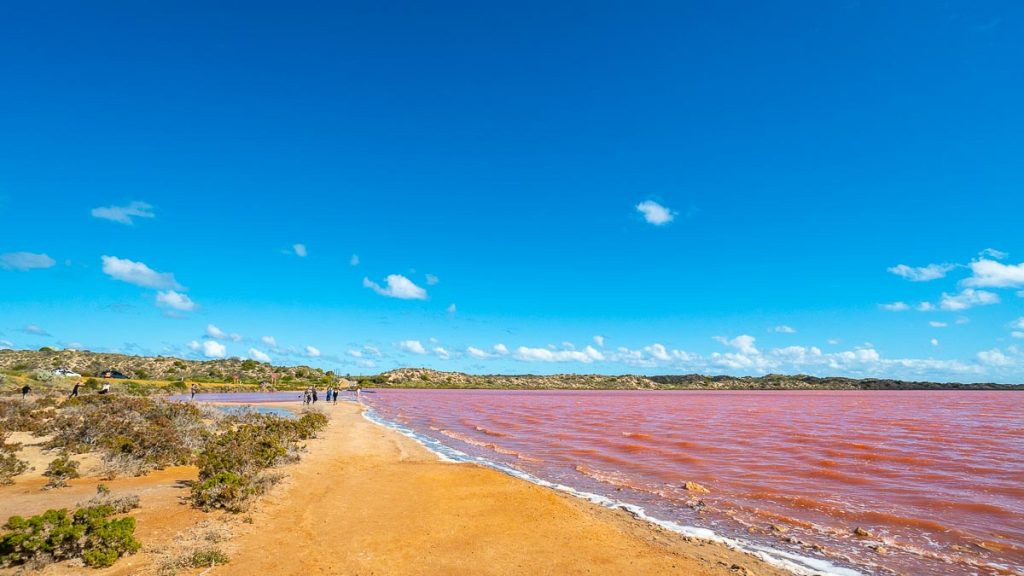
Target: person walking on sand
(74,390)
(193,390)
(327,396)
(335,395)
(306,397)
(314,395)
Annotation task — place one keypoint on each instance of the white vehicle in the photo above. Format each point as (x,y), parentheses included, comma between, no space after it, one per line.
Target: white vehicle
(66,373)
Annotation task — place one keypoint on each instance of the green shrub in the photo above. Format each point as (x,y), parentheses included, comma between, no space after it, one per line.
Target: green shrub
(137,434)
(10,464)
(55,535)
(60,470)
(208,558)
(232,465)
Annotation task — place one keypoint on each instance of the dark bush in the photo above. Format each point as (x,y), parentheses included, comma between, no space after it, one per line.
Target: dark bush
(55,535)
(60,470)
(10,464)
(232,466)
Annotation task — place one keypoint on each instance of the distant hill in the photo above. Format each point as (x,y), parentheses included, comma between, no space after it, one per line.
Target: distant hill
(92,364)
(424,378)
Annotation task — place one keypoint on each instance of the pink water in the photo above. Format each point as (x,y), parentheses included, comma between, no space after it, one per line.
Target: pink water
(936,479)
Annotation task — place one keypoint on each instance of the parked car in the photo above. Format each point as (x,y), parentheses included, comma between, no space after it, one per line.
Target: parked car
(66,373)
(113,374)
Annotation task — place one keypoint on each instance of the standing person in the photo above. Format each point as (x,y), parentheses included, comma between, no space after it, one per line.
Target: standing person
(25,390)
(193,389)
(335,395)
(74,390)
(330,391)
(314,394)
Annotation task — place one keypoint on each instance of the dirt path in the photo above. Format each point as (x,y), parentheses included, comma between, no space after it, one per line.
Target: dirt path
(366,500)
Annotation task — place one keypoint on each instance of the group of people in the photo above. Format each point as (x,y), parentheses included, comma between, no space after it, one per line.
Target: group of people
(104,389)
(310,395)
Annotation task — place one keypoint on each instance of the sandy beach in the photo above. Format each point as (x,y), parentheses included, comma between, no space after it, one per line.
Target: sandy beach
(366,500)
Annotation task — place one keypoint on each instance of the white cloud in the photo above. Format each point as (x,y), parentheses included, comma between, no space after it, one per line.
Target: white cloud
(354,260)
(300,250)
(923,274)
(355,353)
(784,329)
(214,349)
(312,352)
(744,343)
(452,309)
(593,353)
(599,340)
(937,324)
(214,332)
(124,214)
(23,261)
(195,345)
(992,274)
(1017,334)
(962,320)
(547,355)
(501,349)
(894,307)
(6,344)
(478,353)
(413,346)
(258,355)
(175,300)
(442,353)
(655,213)
(34,329)
(925,307)
(935,341)
(1019,323)
(993,253)
(967,298)
(269,341)
(138,274)
(994,357)
(432,280)
(398,286)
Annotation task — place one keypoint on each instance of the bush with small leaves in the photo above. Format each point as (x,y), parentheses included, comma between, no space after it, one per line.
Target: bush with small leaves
(60,470)
(56,535)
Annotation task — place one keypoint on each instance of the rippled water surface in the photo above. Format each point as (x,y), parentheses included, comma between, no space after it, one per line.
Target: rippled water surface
(933,480)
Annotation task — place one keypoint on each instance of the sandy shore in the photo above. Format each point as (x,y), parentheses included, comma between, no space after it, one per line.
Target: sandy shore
(367,500)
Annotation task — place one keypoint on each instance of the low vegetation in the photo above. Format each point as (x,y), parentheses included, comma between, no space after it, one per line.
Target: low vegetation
(10,464)
(56,535)
(133,435)
(60,470)
(233,466)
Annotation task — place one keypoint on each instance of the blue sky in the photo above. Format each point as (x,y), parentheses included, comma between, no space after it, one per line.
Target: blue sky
(589,187)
